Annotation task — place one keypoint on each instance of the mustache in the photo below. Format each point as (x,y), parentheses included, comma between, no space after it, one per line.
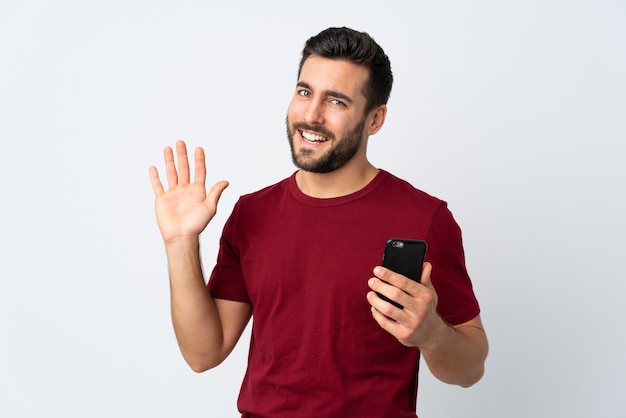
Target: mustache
(302,126)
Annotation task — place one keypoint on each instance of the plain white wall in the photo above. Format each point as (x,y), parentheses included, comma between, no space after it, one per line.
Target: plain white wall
(512,111)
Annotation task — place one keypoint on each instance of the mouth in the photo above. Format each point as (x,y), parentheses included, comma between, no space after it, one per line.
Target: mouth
(312,138)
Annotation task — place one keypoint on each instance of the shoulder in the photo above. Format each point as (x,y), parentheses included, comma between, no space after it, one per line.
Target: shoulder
(252,208)
(255,206)
(267,193)
(403,191)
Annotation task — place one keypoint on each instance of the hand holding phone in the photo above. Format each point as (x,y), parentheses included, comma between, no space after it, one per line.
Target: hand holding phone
(405,257)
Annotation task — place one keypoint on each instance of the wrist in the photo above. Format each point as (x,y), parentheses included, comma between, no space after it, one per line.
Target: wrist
(440,337)
(183,256)
(182,244)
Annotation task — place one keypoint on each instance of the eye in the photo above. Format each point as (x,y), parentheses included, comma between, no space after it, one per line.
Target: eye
(337,102)
(304,93)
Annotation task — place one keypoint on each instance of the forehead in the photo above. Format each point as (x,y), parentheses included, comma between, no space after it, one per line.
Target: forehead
(334,75)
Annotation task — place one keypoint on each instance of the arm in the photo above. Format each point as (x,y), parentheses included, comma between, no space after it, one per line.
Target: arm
(454,354)
(206,329)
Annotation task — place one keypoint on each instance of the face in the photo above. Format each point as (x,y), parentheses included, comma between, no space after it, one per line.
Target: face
(326,121)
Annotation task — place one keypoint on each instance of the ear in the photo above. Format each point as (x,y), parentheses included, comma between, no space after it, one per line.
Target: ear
(376,119)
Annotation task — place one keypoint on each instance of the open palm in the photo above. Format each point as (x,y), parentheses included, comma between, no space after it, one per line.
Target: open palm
(185,209)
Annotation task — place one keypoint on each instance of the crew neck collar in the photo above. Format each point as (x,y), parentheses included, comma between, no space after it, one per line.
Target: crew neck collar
(333,201)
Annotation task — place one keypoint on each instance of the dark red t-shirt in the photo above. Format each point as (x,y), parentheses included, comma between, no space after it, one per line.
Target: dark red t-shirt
(303,263)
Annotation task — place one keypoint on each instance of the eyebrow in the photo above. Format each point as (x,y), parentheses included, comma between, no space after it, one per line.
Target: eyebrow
(330,93)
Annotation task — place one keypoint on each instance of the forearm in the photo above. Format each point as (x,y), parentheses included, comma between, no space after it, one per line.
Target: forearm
(194,313)
(456,355)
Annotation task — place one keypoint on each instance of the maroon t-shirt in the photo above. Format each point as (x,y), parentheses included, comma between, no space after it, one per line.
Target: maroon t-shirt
(303,263)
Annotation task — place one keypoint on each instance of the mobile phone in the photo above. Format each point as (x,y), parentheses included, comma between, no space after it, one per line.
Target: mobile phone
(406,257)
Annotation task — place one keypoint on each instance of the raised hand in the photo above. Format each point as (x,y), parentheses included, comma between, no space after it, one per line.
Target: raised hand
(185,209)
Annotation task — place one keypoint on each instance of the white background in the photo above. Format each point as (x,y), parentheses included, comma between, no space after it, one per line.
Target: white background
(512,111)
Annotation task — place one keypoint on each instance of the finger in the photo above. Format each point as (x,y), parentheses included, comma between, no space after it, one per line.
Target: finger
(200,167)
(384,288)
(183,162)
(427,269)
(384,321)
(382,305)
(394,279)
(155,180)
(216,191)
(170,167)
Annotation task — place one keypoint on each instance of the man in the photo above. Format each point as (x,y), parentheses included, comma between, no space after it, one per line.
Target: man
(301,258)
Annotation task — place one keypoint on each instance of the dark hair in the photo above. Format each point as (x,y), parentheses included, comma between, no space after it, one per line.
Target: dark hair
(359,48)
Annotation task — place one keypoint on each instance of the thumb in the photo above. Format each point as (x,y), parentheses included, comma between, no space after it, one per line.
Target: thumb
(216,191)
(427,269)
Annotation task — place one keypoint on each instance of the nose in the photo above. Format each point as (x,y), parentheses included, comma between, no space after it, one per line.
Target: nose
(314,113)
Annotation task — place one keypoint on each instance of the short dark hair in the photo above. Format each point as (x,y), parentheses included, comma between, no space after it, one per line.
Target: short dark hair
(359,48)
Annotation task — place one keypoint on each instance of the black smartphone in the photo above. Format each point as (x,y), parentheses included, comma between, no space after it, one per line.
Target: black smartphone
(404,256)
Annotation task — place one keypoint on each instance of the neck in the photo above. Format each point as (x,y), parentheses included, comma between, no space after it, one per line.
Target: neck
(341,182)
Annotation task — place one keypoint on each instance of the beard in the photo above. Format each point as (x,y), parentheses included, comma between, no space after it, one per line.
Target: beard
(335,158)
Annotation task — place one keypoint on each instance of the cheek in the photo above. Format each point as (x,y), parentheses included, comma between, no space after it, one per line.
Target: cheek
(344,126)
(295,110)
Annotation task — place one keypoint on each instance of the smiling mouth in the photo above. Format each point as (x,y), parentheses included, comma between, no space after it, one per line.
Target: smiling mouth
(313,138)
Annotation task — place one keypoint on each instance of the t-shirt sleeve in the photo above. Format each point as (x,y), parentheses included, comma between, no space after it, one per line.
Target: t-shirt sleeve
(227,279)
(456,300)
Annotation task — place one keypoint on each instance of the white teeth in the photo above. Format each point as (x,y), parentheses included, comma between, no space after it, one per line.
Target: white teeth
(313,137)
